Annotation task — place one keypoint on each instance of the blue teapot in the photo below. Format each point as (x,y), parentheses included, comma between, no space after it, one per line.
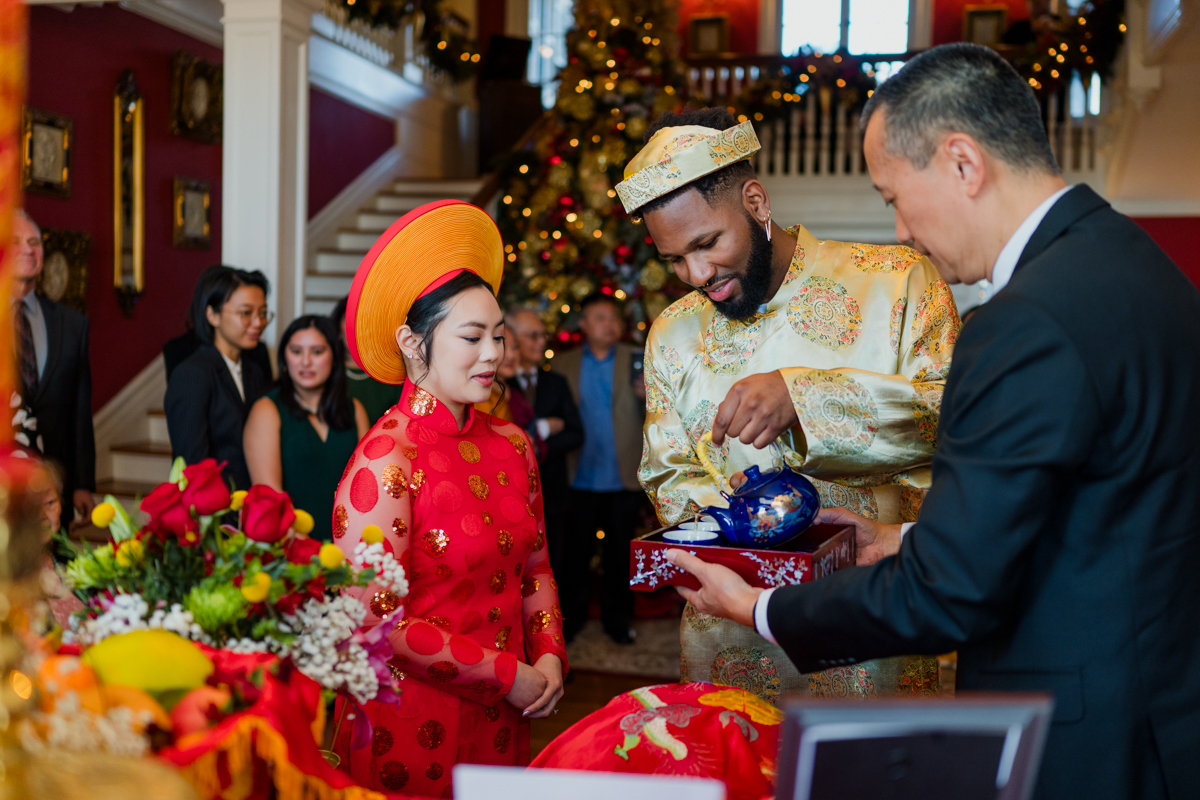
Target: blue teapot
(768,509)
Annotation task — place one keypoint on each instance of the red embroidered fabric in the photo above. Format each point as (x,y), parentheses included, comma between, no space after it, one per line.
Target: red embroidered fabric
(700,730)
(462,512)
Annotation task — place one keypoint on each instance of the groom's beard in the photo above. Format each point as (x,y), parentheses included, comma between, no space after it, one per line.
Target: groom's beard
(755,280)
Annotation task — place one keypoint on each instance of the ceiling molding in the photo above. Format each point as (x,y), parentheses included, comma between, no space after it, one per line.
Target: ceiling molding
(200,19)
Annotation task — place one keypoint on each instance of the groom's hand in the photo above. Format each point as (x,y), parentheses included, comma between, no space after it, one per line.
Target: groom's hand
(756,411)
(722,591)
(874,540)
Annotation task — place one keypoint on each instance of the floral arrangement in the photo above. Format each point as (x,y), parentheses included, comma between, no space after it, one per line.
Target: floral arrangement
(260,585)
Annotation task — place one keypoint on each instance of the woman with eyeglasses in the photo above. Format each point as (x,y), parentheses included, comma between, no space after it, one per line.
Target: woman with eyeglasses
(301,433)
(210,393)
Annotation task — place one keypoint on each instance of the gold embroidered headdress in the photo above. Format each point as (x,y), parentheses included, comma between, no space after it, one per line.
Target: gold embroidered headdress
(677,156)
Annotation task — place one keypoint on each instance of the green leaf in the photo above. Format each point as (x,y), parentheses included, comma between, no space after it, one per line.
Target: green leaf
(121,528)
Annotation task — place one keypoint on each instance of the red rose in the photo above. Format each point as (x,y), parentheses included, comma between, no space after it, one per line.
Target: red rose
(205,491)
(267,515)
(316,587)
(289,603)
(169,515)
(300,550)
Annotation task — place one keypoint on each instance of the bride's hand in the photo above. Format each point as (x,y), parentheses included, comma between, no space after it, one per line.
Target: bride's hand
(528,688)
(551,667)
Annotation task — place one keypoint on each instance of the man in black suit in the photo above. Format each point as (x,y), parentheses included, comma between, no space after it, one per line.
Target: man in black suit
(1059,546)
(556,429)
(54,372)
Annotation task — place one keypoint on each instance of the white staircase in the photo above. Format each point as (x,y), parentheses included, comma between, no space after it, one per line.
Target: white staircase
(331,269)
(139,466)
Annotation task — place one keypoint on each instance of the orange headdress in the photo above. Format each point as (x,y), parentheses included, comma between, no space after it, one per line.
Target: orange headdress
(418,253)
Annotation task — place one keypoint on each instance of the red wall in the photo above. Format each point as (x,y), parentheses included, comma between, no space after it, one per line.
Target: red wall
(343,140)
(1177,236)
(743,22)
(75,60)
(948,17)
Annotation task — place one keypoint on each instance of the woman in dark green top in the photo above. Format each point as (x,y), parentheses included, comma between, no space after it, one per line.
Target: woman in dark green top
(301,434)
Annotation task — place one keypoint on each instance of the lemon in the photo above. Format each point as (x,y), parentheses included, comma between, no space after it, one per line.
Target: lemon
(151,660)
(103,515)
(257,590)
(330,556)
(304,523)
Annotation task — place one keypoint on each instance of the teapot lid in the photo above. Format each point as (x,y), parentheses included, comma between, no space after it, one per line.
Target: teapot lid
(755,480)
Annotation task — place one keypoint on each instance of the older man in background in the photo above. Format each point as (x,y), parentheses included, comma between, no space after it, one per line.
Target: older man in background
(606,375)
(54,371)
(556,429)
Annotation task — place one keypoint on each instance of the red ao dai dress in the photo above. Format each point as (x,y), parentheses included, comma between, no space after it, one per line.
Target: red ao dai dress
(462,512)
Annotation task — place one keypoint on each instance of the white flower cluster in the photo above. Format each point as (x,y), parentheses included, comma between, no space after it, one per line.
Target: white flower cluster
(73,728)
(388,572)
(128,612)
(323,625)
(245,645)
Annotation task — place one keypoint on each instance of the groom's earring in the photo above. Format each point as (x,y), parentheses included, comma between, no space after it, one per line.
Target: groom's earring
(768,226)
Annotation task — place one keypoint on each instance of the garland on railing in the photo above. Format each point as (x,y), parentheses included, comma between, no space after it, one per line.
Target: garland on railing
(442,33)
(1088,42)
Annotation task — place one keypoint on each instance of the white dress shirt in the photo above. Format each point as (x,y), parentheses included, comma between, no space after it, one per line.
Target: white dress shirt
(528,380)
(235,369)
(1002,272)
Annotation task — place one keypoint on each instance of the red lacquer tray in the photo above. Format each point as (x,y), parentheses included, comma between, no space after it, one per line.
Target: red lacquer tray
(815,553)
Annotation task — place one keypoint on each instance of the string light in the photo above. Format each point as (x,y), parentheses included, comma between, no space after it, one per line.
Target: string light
(641,326)
(441,45)
(612,193)
(574,143)
(654,42)
(557,234)
(620,294)
(507,199)
(527,212)
(596,139)
(597,234)
(565,308)
(523,169)
(572,217)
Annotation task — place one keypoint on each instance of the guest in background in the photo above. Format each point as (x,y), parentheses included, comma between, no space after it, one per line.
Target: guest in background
(210,393)
(376,397)
(299,436)
(53,370)
(556,423)
(61,601)
(606,496)
(176,350)
(1041,22)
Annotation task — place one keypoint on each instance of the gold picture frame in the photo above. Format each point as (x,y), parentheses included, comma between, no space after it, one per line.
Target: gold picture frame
(985,24)
(47,142)
(708,35)
(63,278)
(129,202)
(197,98)
(192,213)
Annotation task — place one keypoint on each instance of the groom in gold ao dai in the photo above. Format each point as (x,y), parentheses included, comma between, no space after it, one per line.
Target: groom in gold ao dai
(836,351)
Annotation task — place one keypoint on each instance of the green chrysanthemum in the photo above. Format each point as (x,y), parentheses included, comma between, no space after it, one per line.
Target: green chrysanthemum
(215,607)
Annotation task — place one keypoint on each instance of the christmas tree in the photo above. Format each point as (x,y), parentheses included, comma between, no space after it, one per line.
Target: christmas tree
(566,234)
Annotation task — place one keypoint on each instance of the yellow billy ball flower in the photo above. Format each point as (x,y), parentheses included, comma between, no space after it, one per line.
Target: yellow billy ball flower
(236,500)
(129,552)
(330,556)
(372,534)
(103,515)
(304,523)
(256,591)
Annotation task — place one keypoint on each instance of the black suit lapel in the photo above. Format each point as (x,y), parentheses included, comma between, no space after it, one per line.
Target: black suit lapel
(224,378)
(54,343)
(1076,203)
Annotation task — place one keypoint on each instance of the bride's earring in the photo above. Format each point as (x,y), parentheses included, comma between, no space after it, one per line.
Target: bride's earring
(768,226)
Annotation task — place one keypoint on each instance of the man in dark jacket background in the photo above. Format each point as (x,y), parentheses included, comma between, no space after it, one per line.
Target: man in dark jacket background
(53,369)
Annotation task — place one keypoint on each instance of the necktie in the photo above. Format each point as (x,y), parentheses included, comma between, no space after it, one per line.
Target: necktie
(26,355)
(530,382)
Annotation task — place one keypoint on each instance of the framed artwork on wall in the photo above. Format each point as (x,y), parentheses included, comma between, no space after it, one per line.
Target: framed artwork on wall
(984,24)
(129,197)
(708,34)
(46,145)
(192,214)
(197,92)
(64,267)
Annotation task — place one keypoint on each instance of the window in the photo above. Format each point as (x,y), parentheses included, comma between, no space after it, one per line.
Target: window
(549,21)
(858,26)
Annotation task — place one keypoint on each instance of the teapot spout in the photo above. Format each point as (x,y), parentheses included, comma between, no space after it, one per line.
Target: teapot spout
(724,518)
